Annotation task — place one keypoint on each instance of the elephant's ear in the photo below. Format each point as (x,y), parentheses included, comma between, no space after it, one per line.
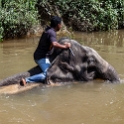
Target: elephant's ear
(60,69)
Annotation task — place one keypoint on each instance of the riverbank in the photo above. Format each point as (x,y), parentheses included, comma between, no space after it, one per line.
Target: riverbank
(19,17)
(38,29)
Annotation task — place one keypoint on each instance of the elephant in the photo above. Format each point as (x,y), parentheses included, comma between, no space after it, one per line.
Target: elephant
(78,63)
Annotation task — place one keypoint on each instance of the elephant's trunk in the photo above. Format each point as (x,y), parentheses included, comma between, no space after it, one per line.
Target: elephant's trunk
(111,75)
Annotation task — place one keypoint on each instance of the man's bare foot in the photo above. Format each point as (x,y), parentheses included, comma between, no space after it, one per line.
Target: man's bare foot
(23,82)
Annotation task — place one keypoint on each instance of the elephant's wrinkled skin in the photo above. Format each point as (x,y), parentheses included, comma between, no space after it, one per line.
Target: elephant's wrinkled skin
(80,63)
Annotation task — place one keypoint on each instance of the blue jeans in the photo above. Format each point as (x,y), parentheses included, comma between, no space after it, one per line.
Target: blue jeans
(44,64)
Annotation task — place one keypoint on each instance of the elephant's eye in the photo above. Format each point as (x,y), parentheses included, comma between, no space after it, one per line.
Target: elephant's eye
(90,60)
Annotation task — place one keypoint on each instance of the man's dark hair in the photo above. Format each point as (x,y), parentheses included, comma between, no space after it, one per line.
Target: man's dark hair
(55,21)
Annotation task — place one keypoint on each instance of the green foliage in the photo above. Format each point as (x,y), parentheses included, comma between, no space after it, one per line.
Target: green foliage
(16,17)
(88,15)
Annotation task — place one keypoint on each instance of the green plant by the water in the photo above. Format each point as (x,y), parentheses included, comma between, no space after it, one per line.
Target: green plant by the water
(16,17)
(88,15)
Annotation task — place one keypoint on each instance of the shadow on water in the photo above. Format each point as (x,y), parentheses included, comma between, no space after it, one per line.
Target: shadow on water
(95,102)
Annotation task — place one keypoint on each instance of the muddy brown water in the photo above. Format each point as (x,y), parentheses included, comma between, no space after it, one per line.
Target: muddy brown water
(95,102)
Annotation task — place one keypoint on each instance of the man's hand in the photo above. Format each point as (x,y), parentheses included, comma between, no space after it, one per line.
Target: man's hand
(67,45)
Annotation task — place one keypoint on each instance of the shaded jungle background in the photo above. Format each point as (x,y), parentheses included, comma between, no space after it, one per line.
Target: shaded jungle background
(18,17)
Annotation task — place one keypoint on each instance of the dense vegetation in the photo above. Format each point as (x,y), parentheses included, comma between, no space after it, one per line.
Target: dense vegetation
(86,15)
(17,16)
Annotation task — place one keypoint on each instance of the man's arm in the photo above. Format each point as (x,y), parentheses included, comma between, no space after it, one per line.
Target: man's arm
(62,46)
(56,44)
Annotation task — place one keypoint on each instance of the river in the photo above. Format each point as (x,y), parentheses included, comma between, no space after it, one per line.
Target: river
(95,102)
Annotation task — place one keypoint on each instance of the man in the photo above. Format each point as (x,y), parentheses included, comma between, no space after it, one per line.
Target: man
(45,47)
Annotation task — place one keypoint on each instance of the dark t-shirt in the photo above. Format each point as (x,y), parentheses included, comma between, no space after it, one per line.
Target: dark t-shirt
(45,43)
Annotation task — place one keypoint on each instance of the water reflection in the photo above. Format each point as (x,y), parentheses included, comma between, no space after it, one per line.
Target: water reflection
(90,103)
(113,38)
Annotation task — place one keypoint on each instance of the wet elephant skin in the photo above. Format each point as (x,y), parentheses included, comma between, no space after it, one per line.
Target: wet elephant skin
(79,63)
